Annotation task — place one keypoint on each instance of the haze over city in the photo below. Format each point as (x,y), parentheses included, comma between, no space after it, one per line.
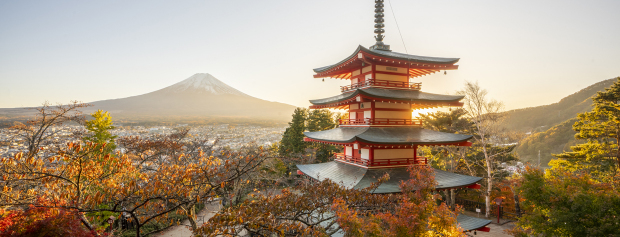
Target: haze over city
(526,53)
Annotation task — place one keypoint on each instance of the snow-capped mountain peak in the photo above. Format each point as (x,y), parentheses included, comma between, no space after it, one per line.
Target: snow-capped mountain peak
(204,82)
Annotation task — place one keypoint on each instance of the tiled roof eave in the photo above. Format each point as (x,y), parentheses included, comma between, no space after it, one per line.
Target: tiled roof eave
(391,55)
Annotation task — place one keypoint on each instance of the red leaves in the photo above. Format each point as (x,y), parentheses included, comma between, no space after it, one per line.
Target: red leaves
(38,220)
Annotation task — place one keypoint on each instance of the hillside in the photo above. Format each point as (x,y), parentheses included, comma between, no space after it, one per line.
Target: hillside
(541,118)
(555,140)
(560,117)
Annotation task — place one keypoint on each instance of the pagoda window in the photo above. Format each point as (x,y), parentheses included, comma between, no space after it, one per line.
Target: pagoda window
(355,73)
(354,81)
(352,115)
(368,77)
(348,151)
(354,106)
(367,114)
(365,153)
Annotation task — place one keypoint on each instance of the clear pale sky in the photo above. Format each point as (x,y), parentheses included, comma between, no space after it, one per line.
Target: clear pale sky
(526,53)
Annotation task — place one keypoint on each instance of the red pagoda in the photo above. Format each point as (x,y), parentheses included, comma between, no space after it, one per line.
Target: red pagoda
(381,136)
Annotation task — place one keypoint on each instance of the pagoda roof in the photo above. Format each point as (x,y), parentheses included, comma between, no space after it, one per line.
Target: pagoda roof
(351,176)
(469,223)
(387,136)
(423,64)
(408,96)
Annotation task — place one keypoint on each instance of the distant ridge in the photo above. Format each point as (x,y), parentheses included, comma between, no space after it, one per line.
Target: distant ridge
(541,118)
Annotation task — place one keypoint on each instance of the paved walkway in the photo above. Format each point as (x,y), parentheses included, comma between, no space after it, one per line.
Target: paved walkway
(184,230)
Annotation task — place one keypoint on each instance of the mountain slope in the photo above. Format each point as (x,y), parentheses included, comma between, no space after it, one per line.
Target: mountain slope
(543,117)
(200,95)
(555,140)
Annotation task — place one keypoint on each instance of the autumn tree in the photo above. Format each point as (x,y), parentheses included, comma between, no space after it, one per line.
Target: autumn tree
(449,158)
(99,130)
(38,133)
(41,221)
(416,214)
(600,129)
(154,179)
(77,179)
(485,115)
(325,208)
(564,203)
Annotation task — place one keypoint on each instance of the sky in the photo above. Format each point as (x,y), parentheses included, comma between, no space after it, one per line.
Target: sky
(525,53)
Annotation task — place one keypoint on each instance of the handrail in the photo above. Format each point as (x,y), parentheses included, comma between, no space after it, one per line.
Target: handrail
(381,121)
(382,162)
(383,83)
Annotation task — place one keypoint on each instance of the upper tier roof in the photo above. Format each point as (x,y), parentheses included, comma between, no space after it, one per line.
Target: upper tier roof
(350,176)
(388,136)
(425,63)
(408,96)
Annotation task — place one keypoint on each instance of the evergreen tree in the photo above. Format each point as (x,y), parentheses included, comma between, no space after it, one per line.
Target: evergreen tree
(293,138)
(320,120)
(99,128)
(600,128)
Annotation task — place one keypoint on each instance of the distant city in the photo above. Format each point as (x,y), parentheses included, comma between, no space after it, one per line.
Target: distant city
(231,136)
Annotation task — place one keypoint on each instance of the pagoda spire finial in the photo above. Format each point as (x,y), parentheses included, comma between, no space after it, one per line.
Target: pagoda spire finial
(379,27)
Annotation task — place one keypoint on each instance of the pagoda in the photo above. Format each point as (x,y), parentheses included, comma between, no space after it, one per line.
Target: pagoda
(380,135)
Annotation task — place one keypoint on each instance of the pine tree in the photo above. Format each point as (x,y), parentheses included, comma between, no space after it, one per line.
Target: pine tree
(320,120)
(600,128)
(293,138)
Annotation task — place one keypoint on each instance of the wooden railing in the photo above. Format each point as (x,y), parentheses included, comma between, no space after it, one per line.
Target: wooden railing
(381,121)
(382,83)
(382,162)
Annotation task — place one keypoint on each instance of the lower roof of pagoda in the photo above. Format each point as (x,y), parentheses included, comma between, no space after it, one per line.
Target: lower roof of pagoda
(387,136)
(351,176)
(391,95)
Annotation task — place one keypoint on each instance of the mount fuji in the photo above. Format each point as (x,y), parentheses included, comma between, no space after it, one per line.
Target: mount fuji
(200,95)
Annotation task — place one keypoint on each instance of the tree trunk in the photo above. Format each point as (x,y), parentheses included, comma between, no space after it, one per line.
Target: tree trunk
(489,183)
(192,218)
(86,222)
(453,201)
(517,206)
(447,194)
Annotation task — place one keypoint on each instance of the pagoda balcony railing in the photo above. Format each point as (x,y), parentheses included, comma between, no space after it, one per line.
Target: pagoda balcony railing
(381,121)
(382,83)
(382,162)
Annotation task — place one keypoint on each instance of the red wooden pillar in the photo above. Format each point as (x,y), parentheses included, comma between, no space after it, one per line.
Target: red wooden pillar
(371,156)
(372,110)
